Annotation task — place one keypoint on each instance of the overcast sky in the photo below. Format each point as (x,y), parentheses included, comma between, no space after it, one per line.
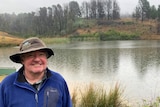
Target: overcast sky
(21,6)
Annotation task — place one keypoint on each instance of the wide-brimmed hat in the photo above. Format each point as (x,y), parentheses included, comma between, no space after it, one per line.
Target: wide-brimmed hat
(30,45)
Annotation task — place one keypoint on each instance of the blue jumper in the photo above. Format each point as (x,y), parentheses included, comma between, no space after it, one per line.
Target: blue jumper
(15,91)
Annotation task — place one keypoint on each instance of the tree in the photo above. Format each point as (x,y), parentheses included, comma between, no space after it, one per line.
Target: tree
(74,10)
(153,12)
(145,9)
(93,9)
(108,8)
(56,25)
(42,21)
(137,13)
(85,9)
(116,10)
(158,23)
(158,13)
(100,9)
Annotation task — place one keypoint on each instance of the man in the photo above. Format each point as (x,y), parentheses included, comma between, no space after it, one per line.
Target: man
(34,85)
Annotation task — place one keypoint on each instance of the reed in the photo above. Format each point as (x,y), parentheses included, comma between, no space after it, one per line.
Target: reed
(153,103)
(89,98)
(97,96)
(74,98)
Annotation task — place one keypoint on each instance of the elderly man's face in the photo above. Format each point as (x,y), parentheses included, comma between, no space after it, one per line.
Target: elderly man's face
(34,62)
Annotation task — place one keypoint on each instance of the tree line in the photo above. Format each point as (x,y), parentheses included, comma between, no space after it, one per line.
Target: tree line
(145,11)
(59,20)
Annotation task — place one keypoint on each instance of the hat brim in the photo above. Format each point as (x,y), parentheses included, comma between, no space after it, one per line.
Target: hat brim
(16,57)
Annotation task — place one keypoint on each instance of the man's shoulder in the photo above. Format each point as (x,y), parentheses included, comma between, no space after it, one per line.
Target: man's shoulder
(56,76)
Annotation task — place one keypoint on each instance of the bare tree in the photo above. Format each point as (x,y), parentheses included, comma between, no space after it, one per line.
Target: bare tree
(108,8)
(85,9)
(93,9)
(137,13)
(100,9)
(116,10)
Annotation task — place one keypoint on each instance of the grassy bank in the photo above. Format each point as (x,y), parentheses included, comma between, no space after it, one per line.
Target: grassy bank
(105,36)
(9,40)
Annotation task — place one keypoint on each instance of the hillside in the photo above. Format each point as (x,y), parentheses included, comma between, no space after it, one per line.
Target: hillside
(9,40)
(146,29)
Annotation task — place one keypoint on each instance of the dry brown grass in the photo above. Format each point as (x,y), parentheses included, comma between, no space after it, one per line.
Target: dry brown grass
(9,40)
(146,29)
(2,77)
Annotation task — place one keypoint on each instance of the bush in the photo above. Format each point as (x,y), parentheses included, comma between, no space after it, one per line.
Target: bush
(114,35)
(98,97)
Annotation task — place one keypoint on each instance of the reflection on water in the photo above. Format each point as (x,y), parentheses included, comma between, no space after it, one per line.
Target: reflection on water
(135,64)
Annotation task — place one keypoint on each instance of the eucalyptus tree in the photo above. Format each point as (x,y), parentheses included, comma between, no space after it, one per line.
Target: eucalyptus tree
(55,19)
(153,12)
(50,21)
(116,10)
(145,9)
(108,8)
(5,21)
(158,13)
(74,10)
(137,13)
(93,9)
(100,9)
(60,16)
(24,23)
(85,9)
(67,24)
(42,21)
(158,23)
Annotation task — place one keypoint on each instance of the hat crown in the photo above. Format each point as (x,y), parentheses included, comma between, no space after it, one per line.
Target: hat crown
(32,43)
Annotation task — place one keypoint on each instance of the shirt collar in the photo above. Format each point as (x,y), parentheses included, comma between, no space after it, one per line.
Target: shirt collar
(21,77)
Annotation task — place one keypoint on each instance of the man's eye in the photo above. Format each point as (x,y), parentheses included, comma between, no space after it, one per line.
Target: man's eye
(42,54)
(30,55)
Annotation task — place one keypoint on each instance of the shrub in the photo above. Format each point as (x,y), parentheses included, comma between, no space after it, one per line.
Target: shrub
(97,97)
(114,35)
